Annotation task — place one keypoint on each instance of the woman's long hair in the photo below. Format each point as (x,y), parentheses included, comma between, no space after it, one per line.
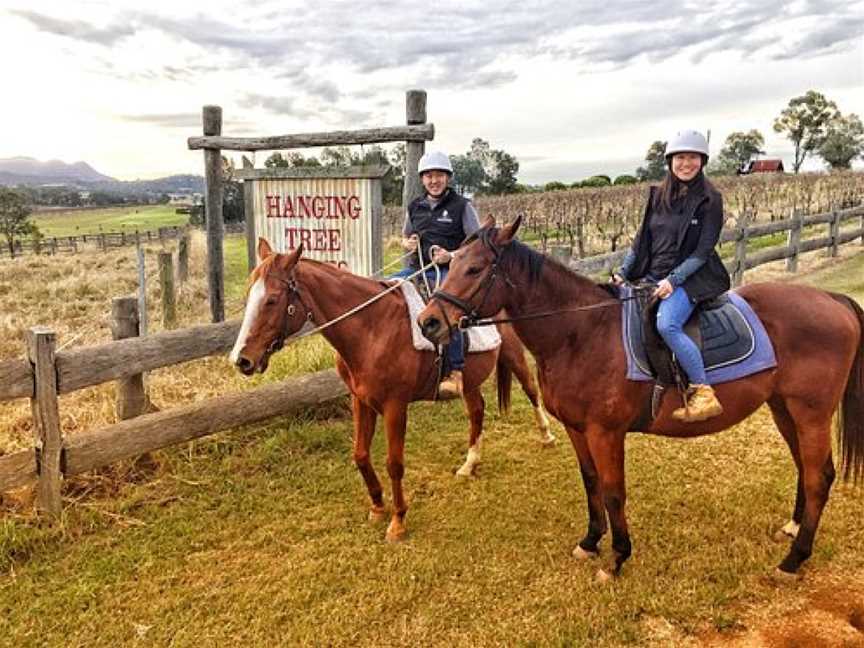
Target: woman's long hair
(671,189)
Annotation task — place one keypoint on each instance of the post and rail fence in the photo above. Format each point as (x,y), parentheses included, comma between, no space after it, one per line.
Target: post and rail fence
(46,373)
(102,241)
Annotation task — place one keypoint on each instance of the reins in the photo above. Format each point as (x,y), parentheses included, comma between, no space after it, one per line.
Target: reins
(465,322)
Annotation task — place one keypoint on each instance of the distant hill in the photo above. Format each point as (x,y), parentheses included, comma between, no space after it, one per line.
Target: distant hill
(80,175)
(52,171)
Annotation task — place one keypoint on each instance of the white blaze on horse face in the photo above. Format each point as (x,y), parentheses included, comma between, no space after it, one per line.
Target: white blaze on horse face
(253,304)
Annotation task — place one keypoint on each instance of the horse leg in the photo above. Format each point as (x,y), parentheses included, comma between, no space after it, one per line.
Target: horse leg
(474,408)
(587,547)
(513,356)
(817,475)
(364,430)
(607,450)
(395,418)
(784,422)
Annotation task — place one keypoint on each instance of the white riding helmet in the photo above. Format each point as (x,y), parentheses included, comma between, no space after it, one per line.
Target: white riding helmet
(434,161)
(687,141)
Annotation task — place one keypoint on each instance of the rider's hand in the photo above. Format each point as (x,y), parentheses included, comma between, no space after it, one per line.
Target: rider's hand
(439,254)
(410,242)
(616,279)
(664,289)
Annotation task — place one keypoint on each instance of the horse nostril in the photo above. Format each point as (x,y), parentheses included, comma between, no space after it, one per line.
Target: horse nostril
(244,365)
(430,327)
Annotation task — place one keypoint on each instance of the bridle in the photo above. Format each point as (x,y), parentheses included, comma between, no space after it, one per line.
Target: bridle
(290,283)
(471,312)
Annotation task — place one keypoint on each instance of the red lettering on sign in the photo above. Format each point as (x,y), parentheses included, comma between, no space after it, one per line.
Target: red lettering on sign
(288,210)
(272,206)
(319,206)
(303,202)
(354,208)
(335,240)
(306,238)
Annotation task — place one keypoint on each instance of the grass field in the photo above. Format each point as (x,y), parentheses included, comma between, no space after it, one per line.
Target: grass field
(113,219)
(259,536)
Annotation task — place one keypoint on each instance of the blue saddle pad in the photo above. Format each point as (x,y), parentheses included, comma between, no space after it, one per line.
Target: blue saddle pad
(734,342)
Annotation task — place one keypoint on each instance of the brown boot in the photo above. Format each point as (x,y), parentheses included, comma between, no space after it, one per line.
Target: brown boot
(451,386)
(703,405)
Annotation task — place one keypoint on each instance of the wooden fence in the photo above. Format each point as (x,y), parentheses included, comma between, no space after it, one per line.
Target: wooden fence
(100,241)
(47,373)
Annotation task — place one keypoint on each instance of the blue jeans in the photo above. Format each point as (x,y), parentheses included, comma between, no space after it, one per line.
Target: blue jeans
(673,313)
(456,347)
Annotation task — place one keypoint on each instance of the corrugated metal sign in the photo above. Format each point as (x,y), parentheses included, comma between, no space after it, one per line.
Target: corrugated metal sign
(336,218)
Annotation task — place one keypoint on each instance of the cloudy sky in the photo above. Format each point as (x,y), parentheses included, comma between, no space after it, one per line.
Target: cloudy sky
(570,88)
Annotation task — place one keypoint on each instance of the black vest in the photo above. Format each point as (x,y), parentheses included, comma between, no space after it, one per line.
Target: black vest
(441,226)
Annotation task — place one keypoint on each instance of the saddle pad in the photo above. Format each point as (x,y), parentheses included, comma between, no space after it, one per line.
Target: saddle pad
(481,338)
(734,342)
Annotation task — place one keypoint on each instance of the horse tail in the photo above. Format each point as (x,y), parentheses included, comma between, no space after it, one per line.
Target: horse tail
(504,378)
(851,414)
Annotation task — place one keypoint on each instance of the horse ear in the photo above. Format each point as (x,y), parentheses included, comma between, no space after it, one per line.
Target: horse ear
(264,249)
(289,260)
(509,231)
(488,221)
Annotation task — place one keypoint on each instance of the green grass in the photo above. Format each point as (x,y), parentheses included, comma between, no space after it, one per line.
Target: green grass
(259,537)
(111,219)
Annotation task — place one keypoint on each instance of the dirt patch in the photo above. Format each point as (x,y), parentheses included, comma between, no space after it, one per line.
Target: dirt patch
(828,613)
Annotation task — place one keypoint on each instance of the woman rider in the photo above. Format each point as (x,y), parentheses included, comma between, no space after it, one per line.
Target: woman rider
(674,248)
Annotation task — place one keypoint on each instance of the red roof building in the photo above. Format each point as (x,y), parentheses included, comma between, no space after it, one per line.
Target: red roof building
(766,166)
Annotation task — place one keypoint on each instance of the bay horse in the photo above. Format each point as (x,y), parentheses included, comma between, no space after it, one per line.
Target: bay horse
(375,357)
(818,343)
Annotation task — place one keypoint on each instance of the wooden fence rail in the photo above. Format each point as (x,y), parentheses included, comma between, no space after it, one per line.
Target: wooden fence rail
(48,373)
(99,240)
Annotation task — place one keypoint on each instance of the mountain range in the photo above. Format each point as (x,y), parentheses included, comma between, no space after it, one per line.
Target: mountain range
(80,175)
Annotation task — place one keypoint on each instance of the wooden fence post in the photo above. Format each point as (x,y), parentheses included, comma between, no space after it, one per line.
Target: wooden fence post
(166,282)
(415,112)
(142,294)
(861,224)
(834,233)
(183,259)
(212,118)
(131,397)
(740,255)
(41,342)
(793,240)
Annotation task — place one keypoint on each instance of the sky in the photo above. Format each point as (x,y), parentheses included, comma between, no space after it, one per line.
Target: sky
(570,88)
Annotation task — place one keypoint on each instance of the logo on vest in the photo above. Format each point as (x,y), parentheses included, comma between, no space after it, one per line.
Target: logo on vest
(445,217)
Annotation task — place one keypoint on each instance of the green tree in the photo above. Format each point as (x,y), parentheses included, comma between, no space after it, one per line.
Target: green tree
(741,147)
(468,174)
(596,181)
(503,179)
(805,122)
(655,168)
(625,179)
(555,185)
(14,217)
(844,141)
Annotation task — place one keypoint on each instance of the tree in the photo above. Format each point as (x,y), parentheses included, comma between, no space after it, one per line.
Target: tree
(844,141)
(805,123)
(555,185)
(14,217)
(503,179)
(742,147)
(625,180)
(468,174)
(656,159)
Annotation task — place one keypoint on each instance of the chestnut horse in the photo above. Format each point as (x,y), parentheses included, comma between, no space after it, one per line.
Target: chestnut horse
(817,338)
(376,358)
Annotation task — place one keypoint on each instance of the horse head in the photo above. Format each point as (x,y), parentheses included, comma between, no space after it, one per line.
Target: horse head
(475,287)
(275,310)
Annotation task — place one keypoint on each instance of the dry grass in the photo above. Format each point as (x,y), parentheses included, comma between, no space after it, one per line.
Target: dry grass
(258,536)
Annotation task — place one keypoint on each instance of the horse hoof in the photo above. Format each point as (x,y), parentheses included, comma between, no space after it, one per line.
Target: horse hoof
(783,536)
(465,471)
(548,441)
(580,554)
(395,537)
(602,577)
(377,514)
(785,578)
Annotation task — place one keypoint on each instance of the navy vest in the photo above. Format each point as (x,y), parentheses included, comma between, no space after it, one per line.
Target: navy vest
(441,226)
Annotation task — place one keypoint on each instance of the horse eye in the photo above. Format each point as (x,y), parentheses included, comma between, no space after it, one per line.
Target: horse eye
(474,270)
(270,301)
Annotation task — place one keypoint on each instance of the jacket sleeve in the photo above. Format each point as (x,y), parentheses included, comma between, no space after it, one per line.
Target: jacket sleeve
(711,226)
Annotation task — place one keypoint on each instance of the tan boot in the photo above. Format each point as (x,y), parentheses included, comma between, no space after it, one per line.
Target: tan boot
(702,405)
(451,386)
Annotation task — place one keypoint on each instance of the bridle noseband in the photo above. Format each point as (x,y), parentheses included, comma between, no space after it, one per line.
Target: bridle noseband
(290,282)
(471,311)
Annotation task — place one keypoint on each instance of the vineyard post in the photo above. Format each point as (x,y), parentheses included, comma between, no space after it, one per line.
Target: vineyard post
(793,240)
(740,253)
(48,437)
(131,397)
